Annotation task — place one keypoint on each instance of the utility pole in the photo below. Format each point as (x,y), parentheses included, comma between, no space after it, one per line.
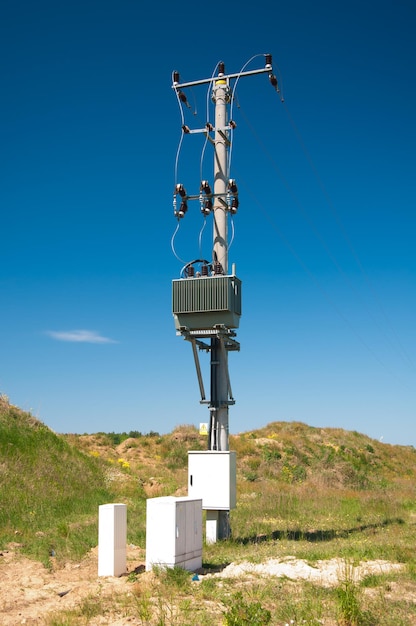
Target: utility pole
(219,428)
(207,304)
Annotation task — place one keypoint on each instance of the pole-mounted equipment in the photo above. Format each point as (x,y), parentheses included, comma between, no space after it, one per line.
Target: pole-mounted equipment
(206,298)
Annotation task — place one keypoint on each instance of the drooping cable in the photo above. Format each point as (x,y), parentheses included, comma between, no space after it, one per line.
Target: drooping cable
(238,78)
(201,232)
(202,157)
(322,289)
(320,238)
(180,105)
(207,122)
(232,232)
(346,237)
(182,100)
(172,243)
(177,159)
(232,106)
(280,87)
(209,90)
(177,93)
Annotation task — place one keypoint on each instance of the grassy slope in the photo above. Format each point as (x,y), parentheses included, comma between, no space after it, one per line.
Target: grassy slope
(312,493)
(293,481)
(48,488)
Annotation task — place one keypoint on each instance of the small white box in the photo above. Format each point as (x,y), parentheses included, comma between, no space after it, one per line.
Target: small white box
(212,476)
(112,539)
(174,532)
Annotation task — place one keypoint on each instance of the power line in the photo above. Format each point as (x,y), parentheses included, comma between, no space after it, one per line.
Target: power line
(321,288)
(346,237)
(319,237)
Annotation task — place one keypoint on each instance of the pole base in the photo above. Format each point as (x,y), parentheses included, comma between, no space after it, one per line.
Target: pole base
(217,526)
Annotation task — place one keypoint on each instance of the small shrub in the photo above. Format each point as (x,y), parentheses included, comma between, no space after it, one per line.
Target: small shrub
(348,603)
(251,476)
(348,599)
(241,613)
(176,455)
(176,577)
(208,587)
(293,473)
(271,455)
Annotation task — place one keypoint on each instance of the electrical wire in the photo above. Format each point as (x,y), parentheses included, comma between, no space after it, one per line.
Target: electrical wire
(200,236)
(324,292)
(181,137)
(232,233)
(232,106)
(323,244)
(201,177)
(345,236)
(207,122)
(178,152)
(180,104)
(209,89)
(172,243)
(177,160)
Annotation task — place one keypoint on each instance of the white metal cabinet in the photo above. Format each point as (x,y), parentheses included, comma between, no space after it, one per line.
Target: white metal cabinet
(112,539)
(174,532)
(212,477)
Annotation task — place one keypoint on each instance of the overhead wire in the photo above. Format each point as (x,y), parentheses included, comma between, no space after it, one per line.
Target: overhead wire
(346,237)
(207,116)
(181,137)
(339,223)
(200,236)
(232,232)
(202,155)
(324,245)
(178,151)
(172,243)
(232,106)
(323,291)
(297,201)
(203,150)
(304,213)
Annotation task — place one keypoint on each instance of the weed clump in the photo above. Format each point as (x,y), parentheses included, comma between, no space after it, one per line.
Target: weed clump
(242,613)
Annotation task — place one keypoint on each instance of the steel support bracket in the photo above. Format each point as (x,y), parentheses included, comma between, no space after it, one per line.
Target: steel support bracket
(227,343)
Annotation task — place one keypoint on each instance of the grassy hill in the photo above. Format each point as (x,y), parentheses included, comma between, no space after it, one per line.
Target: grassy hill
(300,478)
(311,493)
(49,490)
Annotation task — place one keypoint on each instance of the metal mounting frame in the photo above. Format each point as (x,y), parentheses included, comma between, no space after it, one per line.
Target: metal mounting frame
(227,344)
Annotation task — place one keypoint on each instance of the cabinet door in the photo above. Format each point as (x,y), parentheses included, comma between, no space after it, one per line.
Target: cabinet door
(180,529)
(197,528)
(190,516)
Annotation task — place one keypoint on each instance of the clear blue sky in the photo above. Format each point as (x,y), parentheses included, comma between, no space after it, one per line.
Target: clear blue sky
(324,238)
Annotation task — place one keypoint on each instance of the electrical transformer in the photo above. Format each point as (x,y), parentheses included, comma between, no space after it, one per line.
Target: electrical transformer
(200,303)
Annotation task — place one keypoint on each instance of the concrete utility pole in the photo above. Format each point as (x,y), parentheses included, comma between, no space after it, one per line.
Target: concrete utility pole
(219,428)
(207,304)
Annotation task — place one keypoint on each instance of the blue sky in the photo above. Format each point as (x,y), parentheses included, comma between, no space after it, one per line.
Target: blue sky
(324,238)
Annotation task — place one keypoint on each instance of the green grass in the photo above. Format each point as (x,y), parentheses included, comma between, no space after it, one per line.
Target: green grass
(304,492)
(49,490)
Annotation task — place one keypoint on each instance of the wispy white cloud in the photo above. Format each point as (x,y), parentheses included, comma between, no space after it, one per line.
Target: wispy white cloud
(79,336)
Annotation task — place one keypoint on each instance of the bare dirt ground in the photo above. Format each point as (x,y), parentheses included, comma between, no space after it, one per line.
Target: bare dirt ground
(29,591)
